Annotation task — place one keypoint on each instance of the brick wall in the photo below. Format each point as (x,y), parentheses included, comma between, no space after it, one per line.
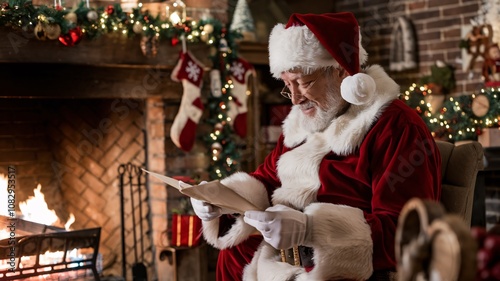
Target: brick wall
(438,27)
(216,8)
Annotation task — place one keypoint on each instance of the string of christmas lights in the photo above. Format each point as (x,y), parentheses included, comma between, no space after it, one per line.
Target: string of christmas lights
(83,21)
(224,151)
(455,120)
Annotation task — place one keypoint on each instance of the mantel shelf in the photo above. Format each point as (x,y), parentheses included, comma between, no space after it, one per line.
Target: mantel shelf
(108,50)
(111,66)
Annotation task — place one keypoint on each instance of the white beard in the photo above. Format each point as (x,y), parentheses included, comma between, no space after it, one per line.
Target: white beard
(319,122)
(322,118)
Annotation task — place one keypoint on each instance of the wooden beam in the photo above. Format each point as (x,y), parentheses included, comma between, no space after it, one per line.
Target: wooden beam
(111,66)
(31,80)
(109,49)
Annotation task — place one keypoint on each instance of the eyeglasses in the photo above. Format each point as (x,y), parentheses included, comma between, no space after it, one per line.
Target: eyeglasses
(285,92)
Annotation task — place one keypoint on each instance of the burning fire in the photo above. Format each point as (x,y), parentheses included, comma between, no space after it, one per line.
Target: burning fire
(3,198)
(34,209)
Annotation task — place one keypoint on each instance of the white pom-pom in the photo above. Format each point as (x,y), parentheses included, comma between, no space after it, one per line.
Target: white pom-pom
(358,89)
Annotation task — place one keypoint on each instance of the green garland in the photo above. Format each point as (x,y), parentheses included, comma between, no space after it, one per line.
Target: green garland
(94,22)
(455,120)
(224,154)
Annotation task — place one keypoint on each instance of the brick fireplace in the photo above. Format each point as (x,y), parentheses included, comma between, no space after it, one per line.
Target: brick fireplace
(73,149)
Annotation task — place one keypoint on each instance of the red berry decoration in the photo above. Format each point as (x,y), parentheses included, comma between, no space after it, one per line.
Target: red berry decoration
(5,6)
(175,41)
(72,38)
(110,9)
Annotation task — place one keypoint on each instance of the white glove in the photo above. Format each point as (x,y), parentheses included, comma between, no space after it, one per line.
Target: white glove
(206,211)
(281,226)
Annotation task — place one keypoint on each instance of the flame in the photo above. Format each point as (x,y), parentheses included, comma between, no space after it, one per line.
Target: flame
(35,209)
(3,195)
(70,221)
(3,202)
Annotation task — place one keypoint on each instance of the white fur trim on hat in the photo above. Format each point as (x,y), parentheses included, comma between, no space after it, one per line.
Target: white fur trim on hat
(358,89)
(297,47)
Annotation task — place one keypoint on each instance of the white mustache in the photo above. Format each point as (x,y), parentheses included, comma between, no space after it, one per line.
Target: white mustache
(307,105)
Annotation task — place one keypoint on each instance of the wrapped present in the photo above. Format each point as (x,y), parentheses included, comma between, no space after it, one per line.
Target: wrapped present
(186,230)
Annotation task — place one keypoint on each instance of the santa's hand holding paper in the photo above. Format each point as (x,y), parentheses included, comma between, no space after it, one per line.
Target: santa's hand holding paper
(206,211)
(281,226)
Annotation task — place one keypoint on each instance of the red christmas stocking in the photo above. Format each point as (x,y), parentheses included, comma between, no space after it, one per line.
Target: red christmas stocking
(240,70)
(190,72)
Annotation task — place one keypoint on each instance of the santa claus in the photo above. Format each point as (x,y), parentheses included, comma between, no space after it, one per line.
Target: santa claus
(350,156)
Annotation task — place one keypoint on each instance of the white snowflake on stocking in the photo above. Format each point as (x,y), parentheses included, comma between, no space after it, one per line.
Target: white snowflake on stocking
(238,70)
(193,71)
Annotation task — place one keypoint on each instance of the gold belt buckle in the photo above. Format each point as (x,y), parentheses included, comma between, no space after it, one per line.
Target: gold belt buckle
(291,256)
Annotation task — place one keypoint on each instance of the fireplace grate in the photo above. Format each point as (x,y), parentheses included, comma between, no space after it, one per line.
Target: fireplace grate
(78,251)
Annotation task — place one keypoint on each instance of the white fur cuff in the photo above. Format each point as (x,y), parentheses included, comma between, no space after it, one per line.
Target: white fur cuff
(341,238)
(251,189)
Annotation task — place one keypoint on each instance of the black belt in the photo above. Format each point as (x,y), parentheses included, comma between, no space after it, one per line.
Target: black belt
(305,256)
(299,256)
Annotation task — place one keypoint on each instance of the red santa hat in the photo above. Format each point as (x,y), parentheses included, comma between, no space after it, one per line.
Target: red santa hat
(310,41)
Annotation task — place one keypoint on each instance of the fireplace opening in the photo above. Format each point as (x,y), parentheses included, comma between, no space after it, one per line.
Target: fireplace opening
(70,150)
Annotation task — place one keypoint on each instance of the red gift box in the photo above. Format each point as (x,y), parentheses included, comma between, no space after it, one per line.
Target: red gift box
(186,230)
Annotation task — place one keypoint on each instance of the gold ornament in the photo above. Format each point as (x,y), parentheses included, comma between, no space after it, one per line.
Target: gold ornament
(71,17)
(137,28)
(53,31)
(208,28)
(204,36)
(42,18)
(39,31)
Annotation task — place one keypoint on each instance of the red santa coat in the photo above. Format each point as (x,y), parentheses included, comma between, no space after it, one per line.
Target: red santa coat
(352,180)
